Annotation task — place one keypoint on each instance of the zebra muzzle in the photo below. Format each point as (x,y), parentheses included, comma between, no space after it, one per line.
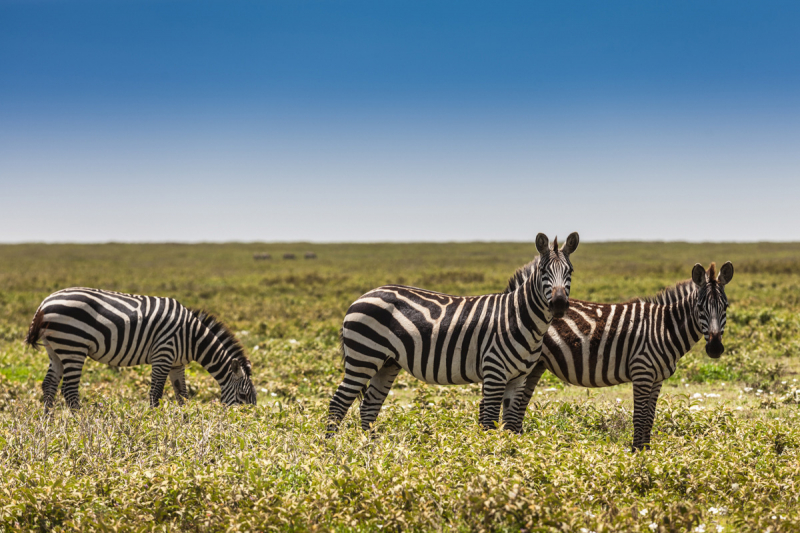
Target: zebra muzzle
(714,346)
(559,303)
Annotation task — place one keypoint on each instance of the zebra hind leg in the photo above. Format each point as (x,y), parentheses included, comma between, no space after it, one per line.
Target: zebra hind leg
(52,380)
(73,367)
(356,378)
(177,377)
(379,387)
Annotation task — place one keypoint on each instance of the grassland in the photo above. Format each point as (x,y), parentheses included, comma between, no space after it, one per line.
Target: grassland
(726,443)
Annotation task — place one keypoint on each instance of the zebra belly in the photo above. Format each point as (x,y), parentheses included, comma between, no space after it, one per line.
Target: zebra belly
(557,366)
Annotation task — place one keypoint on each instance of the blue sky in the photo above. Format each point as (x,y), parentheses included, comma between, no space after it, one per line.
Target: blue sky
(383,121)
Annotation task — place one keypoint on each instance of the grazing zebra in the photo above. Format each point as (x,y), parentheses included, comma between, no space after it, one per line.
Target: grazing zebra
(446,339)
(126,330)
(600,345)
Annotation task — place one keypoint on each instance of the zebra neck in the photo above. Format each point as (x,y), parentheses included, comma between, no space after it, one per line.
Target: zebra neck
(685,320)
(209,349)
(532,306)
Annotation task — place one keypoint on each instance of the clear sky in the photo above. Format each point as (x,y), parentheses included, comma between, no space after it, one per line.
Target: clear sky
(177,120)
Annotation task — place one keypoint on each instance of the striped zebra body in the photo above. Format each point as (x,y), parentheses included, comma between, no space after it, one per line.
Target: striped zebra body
(600,345)
(444,339)
(128,330)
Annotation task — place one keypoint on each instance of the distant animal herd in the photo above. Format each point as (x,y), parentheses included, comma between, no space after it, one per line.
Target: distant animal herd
(288,256)
(504,341)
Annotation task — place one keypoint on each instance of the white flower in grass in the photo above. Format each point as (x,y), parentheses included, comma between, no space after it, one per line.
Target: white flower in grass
(653,526)
(774,517)
(696,408)
(273,394)
(719,528)
(264,391)
(740,408)
(292,341)
(701,528)
(713,510)
(619,400)
(643,512)
(697,395)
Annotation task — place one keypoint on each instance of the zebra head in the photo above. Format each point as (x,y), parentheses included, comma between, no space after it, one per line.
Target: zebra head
(712,304)
(238,389)
(555,272)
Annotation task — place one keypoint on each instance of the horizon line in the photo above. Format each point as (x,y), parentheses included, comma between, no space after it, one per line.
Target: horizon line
(324,243)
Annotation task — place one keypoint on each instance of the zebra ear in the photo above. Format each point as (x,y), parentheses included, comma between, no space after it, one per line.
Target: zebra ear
(725,274)
(542,243)
(571,244)
(699,275)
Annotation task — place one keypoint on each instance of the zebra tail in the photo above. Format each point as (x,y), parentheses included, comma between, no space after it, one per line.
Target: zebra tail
(35,330)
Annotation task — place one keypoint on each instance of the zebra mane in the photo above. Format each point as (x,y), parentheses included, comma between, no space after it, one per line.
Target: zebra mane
(225,335)
(519,277)
(677,292)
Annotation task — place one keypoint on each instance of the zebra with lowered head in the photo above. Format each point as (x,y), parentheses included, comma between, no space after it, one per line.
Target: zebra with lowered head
(640,341)
(127,330)
(444,339)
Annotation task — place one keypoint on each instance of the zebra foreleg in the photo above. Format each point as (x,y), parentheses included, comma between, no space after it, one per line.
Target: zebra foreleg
(177,377)
(52,380)
(641,410)
(73,366)
(158,378)
(651,412)
(379,387)
(494,387)
(520,407)
(512,419)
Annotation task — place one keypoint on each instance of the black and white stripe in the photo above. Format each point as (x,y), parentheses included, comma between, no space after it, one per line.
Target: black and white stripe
(444,339)
(599,345)
(127,330)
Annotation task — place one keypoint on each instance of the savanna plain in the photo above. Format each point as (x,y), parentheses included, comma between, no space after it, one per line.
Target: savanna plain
(725,451)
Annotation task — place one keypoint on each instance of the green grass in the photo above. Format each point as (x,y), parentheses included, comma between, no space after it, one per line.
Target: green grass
(718,442)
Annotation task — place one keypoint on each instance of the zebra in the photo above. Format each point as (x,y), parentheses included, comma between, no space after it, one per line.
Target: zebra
(444,339)
(640,341)
(127,330)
